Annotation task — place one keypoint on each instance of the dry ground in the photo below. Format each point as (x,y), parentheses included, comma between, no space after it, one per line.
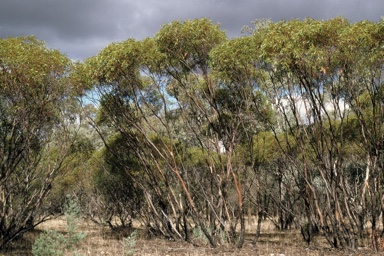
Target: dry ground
(103,241)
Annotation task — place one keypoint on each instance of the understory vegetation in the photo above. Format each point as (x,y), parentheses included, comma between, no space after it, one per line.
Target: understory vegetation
(193,135)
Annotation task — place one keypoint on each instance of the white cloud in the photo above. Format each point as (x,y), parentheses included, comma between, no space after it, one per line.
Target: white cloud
(303,108)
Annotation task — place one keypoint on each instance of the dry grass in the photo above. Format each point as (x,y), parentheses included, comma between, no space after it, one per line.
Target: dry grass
(103,241)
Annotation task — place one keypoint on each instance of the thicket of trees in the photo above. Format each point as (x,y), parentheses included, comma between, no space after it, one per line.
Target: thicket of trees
(191,130)
(37,131)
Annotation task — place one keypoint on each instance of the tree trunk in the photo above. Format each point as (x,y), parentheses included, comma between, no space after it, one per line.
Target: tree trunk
(258,229)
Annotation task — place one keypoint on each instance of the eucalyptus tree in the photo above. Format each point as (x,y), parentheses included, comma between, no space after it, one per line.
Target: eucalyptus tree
(162,98)
(35,91)
(134,102)
(191,106)
(186,47)
(361,84)
(128,111)
(317,80)
(221,114)
(116,198)
(243,112)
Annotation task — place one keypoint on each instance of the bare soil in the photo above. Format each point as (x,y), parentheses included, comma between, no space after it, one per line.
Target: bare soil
(103,241)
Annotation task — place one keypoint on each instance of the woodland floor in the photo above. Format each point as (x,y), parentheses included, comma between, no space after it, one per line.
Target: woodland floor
(103,241)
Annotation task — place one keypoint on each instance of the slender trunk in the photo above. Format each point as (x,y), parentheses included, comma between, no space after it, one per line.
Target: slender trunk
(242,231)
(2,214)
(249,214)
(258,229)
(185,226)
(196,214)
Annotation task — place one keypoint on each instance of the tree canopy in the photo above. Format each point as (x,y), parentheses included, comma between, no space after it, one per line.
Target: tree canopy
(193,131)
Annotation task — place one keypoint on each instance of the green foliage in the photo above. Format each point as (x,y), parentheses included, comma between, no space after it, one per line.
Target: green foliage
(36,108)
(198,234)
(116,61)
(26,63)
(297,105)
(72,216)
(186,45)
(50,243)
(151,57)
(54,243)
(234,60)
(114,179)
(129,244)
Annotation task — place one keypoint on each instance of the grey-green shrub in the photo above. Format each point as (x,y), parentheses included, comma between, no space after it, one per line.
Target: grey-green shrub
(72,217)
(129,244)
(50,243)
(53,243)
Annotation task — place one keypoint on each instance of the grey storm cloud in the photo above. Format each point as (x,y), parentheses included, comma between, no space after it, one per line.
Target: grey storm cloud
(81,28)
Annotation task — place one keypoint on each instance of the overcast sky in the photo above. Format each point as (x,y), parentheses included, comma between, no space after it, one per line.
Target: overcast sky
(81,28)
